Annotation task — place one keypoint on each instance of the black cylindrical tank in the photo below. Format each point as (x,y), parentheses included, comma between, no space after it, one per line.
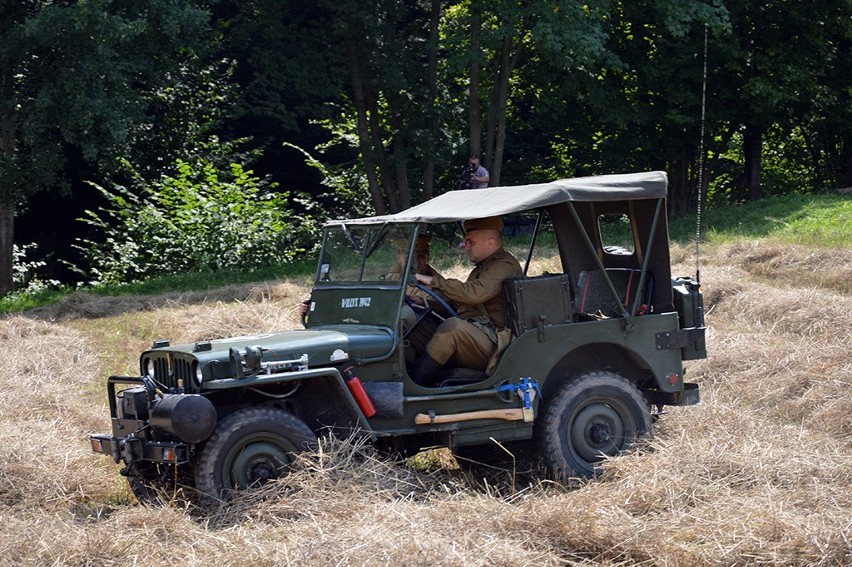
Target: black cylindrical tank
(189,417)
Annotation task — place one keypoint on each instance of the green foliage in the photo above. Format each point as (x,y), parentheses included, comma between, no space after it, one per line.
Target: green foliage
(31,290)
(348,196)
(24,271)
(79,75)
(786,162)
(76,82)
(199,218)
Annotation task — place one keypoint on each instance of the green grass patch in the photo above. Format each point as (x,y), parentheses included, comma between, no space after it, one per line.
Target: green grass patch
(209,280)
(305,268)
(16,302)
(814,220)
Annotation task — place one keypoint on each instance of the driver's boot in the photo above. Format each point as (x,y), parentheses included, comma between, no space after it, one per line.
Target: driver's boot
(425,369)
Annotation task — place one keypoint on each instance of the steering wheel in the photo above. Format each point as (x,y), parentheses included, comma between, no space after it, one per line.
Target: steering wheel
(421,312)
(424,311)
(444,303)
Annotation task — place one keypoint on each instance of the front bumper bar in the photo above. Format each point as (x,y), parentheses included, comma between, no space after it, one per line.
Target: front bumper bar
(132,449)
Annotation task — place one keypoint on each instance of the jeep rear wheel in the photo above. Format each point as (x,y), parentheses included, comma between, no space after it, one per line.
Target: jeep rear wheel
(598,415)
(248,448)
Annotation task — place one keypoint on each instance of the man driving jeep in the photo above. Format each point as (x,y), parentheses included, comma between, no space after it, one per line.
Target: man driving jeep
(470,339)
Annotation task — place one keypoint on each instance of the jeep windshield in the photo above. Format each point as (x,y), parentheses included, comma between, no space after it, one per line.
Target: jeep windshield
(365,254)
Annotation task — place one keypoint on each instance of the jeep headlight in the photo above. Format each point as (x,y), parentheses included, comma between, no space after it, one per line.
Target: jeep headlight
(199,375)
(148,365)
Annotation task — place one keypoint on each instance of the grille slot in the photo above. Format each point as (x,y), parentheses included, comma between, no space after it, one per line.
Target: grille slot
(161,372)
(183,371)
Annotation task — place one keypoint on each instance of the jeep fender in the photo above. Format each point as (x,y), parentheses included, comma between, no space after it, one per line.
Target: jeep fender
(323,399)
(596,345)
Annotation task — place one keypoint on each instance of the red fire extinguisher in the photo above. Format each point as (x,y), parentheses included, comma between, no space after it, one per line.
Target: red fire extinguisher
(359,393)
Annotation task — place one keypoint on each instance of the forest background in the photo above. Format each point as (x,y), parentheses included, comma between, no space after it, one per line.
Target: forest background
(201,135)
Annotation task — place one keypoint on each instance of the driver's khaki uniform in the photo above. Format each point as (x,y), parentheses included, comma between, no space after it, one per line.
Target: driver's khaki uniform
(469,339)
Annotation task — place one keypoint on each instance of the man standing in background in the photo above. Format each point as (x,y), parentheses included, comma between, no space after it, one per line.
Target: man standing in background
(474,176)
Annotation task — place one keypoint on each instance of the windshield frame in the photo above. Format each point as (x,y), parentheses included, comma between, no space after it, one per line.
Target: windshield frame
(378,254)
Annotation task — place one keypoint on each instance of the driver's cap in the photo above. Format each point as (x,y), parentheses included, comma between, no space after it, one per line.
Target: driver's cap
(488,223)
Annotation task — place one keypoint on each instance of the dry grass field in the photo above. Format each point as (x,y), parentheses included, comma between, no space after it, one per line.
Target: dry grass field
(760,473)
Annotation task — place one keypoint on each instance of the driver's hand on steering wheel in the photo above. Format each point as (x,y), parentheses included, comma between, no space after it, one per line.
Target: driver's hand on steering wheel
(425,280)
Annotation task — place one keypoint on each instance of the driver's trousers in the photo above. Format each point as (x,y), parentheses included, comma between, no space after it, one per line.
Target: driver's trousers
(458,343)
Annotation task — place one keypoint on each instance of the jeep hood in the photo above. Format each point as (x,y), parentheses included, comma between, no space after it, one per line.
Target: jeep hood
(324,347)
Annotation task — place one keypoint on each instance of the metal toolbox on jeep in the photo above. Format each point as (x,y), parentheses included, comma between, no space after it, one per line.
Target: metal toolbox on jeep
(543,298)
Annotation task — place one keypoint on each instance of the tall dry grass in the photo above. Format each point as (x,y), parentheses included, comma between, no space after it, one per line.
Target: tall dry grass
(759,474)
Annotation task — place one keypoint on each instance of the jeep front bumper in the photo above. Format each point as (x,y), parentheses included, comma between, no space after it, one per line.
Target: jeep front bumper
(132,449)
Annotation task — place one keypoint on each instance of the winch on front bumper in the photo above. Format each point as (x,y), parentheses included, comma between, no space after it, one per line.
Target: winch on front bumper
(148,425)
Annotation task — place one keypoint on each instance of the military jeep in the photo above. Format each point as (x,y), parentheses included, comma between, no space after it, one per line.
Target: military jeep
(598,340)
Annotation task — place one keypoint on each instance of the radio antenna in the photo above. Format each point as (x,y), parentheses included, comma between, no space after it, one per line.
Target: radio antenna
(700,190)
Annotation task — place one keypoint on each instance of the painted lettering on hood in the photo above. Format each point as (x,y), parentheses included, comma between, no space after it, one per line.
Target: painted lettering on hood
(350,302)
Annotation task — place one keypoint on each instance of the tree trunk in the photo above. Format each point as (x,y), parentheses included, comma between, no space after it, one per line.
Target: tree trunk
(752,141)
(385,172)
(846,165)
(474,112)
(813,152)
(507,64)
(431,92)
(8,143)
(7,239)
(491,119)
(400,157)
(679,186)
(359,97)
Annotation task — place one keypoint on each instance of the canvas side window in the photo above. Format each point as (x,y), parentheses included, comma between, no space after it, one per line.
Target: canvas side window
(616,234)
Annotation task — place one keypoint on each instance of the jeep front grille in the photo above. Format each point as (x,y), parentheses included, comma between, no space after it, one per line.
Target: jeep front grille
(168,371)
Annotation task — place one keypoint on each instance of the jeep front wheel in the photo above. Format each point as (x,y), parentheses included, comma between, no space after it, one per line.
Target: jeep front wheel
(598,415)
(248,448)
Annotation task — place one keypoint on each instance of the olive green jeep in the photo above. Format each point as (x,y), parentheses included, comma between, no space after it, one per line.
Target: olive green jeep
(599,333)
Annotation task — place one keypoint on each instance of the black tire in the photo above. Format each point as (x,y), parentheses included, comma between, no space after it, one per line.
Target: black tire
(248,448)
(598,415)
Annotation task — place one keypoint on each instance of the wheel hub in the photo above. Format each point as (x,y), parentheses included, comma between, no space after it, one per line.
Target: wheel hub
(599,433)
(257,463)
(596,431)
(262,471)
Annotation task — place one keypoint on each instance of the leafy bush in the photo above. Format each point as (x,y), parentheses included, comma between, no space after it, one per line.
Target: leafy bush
(25,272)
(200,218)
(30,289)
